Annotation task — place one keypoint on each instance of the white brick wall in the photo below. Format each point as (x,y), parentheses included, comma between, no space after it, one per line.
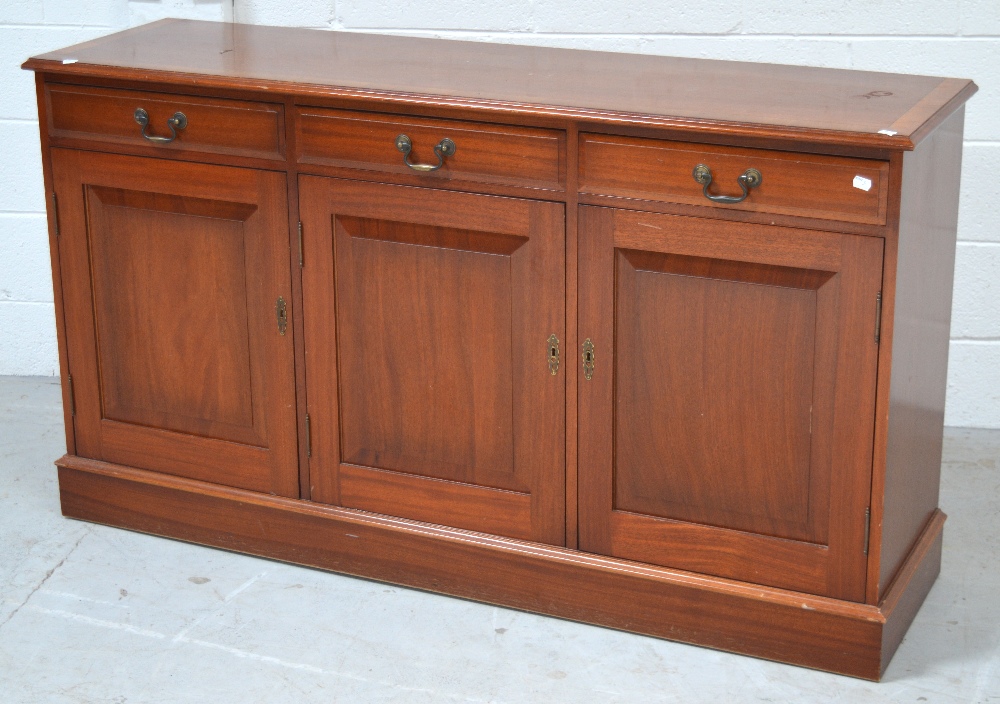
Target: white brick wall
(958,38)
(27,27)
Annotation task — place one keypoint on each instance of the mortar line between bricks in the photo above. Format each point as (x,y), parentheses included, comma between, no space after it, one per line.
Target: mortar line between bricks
(436,31)
(57,26)
(596,35)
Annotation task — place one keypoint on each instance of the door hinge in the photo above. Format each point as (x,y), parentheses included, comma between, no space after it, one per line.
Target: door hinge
(302,261)
(878,317)
(309,448)
(868,527)
(72,395)
(55,213)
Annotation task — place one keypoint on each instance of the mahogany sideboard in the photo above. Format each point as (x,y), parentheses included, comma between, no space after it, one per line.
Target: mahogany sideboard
(653,343)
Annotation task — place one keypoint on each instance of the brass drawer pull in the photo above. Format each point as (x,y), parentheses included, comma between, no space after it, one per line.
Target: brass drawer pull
(750,178)
(178,122)
(444,148)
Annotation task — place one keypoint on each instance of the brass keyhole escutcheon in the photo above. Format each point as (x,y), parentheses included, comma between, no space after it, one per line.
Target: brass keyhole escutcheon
(281,314)
(588,359)
(553,343)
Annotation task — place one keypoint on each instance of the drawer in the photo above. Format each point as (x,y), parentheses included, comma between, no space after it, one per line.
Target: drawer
(233,127)
(487,153)
(805,185)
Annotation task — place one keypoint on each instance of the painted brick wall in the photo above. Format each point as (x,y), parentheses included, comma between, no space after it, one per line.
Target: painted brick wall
(958,38)
(27,27)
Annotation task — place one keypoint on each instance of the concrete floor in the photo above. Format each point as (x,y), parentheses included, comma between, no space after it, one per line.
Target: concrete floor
(95,614)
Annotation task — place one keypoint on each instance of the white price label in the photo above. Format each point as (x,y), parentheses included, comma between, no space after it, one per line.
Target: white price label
(865,184)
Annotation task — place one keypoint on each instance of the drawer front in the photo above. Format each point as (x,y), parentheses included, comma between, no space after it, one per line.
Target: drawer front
(805,185)
(233,127)
(502,154)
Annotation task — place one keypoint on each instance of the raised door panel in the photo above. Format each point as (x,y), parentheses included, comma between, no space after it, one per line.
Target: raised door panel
(172,272)
(716,373)
(427,322)
(727,425)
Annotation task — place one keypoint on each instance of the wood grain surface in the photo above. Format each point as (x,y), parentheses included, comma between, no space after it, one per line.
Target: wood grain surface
(818,632)
(427,319)
(236,127)
(172,271)
(828,104)
(710,483)
(727,427)
(793,184)
(530,158)
(917,332)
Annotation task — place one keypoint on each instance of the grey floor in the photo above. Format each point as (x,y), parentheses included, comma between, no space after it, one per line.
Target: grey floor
(95,614)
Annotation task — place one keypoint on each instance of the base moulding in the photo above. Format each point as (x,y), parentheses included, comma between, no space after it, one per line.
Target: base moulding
(818,632)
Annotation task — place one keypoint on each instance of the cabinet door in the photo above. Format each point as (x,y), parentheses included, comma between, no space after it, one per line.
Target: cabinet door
(171,273)
(427,324)
(727,425)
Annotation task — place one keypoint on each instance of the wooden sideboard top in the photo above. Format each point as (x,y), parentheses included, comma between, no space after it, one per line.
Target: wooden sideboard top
(785,102)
